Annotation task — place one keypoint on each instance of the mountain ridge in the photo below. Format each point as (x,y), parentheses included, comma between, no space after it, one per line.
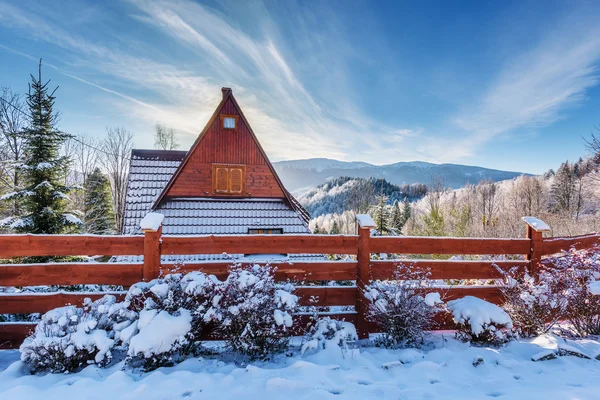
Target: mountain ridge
(303,174)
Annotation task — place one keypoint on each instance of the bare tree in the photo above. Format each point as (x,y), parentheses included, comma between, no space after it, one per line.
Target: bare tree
(165,138)
(12,123)
(116,149)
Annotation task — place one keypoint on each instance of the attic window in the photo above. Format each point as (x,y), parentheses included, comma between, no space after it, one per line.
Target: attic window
(228,178)
(229,121)
(266,231)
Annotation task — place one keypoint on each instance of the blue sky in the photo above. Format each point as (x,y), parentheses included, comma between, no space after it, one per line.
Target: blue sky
(509,85)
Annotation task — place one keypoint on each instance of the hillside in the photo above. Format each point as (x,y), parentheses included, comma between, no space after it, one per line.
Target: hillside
(345,193)
(299,175)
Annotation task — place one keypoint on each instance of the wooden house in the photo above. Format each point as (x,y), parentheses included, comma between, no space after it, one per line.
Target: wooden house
(225,184)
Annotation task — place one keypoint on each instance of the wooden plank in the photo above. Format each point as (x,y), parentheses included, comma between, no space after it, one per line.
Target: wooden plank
(447,269)
(17,303)
(327,295)
(12,334)
(363,280)
(69,245)
(260,244)
(294,271)
(152,247)
(560,244)
(446,245)
(70,274)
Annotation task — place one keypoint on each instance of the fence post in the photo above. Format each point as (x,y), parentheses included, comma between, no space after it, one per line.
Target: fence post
(363,275)
(151,225)
(535,231)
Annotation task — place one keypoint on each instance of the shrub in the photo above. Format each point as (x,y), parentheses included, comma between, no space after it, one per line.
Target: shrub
(534,306)
(330,334)
(402,308)
(69,338)
(480,322)
(172,318)
(255,313)
(574,273)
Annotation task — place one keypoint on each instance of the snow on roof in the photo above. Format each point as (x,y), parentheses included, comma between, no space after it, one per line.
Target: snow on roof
(150,172)
(537,224)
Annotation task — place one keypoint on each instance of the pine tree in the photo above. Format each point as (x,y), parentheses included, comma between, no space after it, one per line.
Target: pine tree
(335,229)
(99,215)
(317,230)
(563,189)
(406,211)
(44,195)
(397,218)
(381,215)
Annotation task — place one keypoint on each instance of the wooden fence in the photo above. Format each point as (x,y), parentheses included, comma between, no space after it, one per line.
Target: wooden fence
(361,269)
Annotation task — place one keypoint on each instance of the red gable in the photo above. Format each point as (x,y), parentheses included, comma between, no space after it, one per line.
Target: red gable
(226,162)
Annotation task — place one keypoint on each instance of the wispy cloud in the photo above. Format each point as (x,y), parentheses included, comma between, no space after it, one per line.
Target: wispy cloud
(300,106)
(535,87)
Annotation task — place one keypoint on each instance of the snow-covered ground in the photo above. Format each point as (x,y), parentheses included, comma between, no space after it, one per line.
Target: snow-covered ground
(445,371)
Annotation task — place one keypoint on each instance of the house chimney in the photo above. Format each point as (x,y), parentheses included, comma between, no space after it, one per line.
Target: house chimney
(225,91)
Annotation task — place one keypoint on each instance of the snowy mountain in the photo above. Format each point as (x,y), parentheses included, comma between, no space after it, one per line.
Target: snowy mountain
(300,175)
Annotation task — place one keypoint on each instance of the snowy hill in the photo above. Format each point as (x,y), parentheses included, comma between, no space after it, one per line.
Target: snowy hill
(340,194)
(299,175)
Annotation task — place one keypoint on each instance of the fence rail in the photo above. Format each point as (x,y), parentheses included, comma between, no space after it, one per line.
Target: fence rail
(361,268)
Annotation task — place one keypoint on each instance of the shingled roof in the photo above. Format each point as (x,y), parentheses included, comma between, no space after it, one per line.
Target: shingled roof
(150,172)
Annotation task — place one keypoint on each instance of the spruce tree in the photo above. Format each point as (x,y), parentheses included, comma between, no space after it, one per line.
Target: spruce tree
(44,194)
(563,189)
(381,215)
(406,211)
(335,229)
(99,216)
(317,230)
(397,218)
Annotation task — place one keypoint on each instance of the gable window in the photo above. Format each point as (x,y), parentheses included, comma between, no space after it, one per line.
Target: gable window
(265,231)
(228,178)
(229,121)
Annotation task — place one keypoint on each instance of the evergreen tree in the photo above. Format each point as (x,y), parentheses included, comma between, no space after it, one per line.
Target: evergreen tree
(406,211)
(434,224)
(397,218)
(335,229)
(381,215)
(44,195)
(99,215)
(317,230)
(563,189)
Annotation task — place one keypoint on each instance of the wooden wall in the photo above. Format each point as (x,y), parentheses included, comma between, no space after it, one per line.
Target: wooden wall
(226,146)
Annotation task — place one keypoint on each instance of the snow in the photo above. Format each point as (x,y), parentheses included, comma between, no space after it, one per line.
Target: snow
(537,224)
(158,332)
(151,222)
(365,221)
(444,371)
(478,313)
(431,299)
(594,287)
(73,219)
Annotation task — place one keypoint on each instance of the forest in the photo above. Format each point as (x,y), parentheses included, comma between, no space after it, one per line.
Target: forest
(566,198)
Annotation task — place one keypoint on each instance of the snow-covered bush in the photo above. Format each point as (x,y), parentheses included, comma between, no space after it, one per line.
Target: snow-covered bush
(480,322)
(254,313)
(172,318)
(574,273)
(69,338)
(330,334)
(403,309)
(535,306)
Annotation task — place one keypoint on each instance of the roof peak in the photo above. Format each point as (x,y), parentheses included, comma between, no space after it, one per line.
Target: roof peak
(226,91)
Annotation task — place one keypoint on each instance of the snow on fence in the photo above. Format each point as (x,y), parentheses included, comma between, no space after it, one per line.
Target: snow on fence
(153,244)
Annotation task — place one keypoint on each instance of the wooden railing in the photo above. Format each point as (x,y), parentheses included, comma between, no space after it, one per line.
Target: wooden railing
(361,268)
